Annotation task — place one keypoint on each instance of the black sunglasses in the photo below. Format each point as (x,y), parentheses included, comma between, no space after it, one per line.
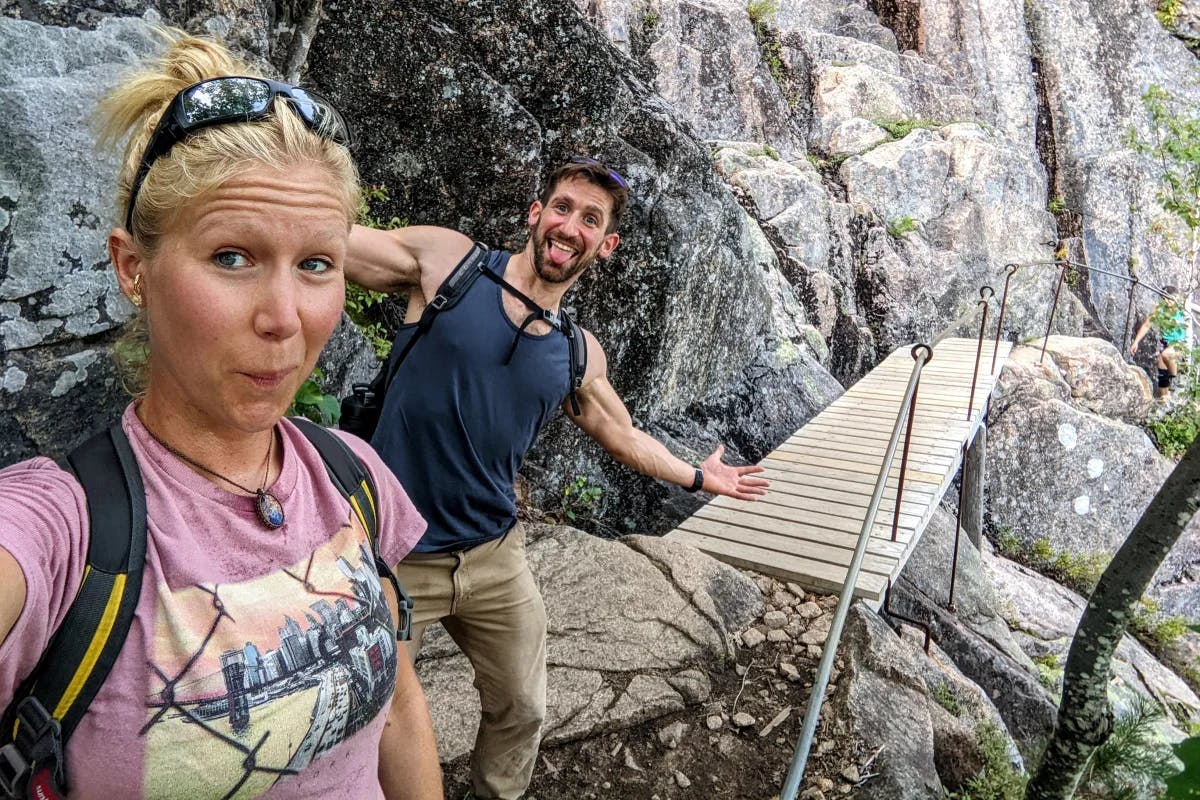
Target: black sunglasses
(612,173)
(220,101)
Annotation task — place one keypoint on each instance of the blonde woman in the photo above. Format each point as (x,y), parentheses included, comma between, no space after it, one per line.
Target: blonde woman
(262,656)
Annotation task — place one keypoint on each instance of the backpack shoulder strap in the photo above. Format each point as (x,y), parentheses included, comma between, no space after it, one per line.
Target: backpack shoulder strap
(86,644)
(577,354)
(354,482)
(448,294)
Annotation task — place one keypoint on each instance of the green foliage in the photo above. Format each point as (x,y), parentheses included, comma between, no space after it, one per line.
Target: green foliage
(365,306)
(370,198)
(1153,629)
(360,305)
(1056,205)
(579,498)
(1132,760)
(1168,13)
(1050,670)
(761,12)
(1186,784)
(1079,572)
(900,226)
(762,15)
(768,151)
(945,697)
(998,780)
(311,402)
(899,128)
(650,20)
(1176,430)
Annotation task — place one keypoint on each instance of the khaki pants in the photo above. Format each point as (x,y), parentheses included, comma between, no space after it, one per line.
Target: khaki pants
(488,602)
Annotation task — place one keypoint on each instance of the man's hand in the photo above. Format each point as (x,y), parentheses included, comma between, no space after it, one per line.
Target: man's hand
(731,481)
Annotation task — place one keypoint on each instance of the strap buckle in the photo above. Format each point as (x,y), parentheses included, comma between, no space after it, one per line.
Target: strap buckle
(405,607)
(439,301)
(36,754)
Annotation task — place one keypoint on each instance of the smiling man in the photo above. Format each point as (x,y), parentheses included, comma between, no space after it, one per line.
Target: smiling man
(466,405)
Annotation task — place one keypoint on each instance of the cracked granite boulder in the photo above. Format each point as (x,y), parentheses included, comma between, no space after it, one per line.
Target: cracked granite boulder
(633,628)
(59,302)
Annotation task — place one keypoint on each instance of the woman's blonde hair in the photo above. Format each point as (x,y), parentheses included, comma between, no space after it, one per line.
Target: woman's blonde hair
(202,162)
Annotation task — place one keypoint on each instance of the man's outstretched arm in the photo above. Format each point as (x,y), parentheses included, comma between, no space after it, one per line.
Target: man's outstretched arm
(604,417)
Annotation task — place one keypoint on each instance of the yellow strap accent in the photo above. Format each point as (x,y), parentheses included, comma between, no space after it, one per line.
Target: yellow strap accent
(370,500)
(87,570)
(99,639)
(362,520)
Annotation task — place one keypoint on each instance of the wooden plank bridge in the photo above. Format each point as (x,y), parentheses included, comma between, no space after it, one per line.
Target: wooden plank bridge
(806,527)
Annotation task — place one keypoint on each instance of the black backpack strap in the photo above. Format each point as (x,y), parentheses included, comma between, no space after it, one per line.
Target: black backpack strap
(49,704)
(448,294)
(577,354)
(353,480)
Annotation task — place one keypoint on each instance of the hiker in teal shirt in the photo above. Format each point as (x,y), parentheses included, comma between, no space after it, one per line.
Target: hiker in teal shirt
(1172,324)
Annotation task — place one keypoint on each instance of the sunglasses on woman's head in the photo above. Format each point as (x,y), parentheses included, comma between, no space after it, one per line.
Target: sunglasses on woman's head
(221,101)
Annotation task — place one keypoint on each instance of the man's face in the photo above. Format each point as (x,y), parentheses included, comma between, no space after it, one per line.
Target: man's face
(569,232)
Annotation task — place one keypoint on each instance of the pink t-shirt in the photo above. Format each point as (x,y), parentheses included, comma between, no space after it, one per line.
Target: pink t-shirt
(259,660)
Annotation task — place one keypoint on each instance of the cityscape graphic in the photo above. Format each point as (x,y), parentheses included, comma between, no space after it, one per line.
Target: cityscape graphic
(253,681)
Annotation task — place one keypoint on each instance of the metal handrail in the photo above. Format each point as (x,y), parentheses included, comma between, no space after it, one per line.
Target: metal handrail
(1064,265)
(922,354)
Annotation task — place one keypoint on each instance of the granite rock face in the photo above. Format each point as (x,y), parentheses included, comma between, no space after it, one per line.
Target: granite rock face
(633,627)
(1059,472)
(59,302)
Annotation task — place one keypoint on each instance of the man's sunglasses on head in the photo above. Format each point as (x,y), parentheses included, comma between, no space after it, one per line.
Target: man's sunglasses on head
(612,173)
(221,101)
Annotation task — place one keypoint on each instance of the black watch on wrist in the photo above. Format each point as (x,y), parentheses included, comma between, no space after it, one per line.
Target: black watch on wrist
(698,482)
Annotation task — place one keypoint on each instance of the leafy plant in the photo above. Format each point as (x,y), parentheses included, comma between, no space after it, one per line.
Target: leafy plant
(900,226)
(762,16)
(1056,205)
(899,128)
(1151,628)
(998,780)
(311,402)
(1168,13)
(1185,784)
(365,306)
(1050,670)
(579,498)
(945,697)
(650,21)
(1132,760)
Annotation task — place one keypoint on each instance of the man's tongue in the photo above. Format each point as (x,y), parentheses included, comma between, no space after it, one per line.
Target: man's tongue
(559,256)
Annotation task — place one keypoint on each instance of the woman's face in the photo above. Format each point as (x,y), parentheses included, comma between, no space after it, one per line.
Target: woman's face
(243,291)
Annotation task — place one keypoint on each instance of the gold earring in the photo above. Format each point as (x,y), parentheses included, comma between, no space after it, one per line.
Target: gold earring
(136,298)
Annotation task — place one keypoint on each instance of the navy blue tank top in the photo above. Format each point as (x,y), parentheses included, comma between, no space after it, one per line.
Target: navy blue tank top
(457,421)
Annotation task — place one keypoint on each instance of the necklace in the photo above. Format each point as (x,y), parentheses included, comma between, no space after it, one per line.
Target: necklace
(267,505)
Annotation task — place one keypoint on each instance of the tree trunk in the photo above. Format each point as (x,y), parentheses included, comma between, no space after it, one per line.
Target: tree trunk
(1084,716)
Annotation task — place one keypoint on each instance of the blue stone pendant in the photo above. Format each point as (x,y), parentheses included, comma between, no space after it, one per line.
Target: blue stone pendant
(270,510)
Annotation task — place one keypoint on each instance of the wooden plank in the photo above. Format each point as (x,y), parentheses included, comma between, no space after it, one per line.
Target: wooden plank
(787,545)
(850,510)
(916,453)
(864,467)
(814,575)
(797,473)
(838,496)
(805,525)
(834,439)
(818,427)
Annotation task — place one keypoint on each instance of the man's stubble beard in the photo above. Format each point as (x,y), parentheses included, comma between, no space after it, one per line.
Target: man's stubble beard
(582,261)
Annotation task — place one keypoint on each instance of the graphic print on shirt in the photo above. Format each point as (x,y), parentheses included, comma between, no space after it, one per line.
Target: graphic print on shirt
(250,682)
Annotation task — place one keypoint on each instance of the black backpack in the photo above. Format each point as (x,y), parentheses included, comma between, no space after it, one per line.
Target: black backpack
(360,411)
(51,701)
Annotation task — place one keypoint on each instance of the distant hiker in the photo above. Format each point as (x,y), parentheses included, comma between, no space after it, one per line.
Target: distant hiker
(1169,318)
(467,404)
(207,588)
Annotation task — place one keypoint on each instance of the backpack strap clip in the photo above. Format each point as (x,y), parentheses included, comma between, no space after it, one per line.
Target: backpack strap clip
(32,766)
